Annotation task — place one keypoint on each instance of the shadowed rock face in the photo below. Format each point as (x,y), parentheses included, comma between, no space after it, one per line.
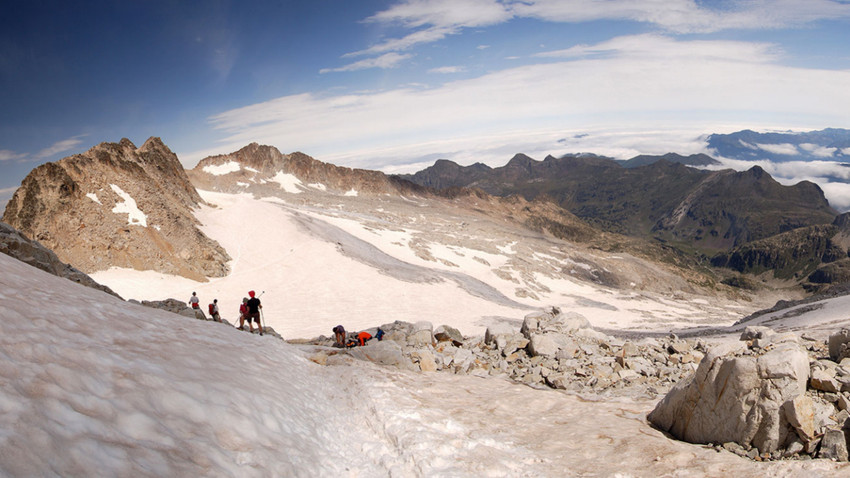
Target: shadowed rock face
(117,205)
(13,244)
(707,210)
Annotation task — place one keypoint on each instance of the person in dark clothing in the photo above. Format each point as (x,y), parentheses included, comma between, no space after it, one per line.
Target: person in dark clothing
(339,336)
(254,307)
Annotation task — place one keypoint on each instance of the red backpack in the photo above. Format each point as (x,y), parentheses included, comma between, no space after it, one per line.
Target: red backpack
(212,308)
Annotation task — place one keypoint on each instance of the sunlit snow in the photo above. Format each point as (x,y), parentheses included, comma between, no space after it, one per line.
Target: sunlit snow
(93,197)
(94,386)
(222,169)
(288,182)
(135,216)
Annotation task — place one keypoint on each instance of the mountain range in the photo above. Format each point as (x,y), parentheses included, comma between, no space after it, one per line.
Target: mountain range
(831,144)
(88,208)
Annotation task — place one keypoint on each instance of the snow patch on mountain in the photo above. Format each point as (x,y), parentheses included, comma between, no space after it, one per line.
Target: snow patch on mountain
(222,169)
(135,216)
(288,182)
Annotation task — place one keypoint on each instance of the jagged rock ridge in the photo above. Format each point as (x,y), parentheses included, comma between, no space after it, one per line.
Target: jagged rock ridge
(708,210)
(118,205)
(265,170)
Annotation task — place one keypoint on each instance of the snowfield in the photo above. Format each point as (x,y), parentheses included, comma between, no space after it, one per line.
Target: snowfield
(94,386)
(324,259)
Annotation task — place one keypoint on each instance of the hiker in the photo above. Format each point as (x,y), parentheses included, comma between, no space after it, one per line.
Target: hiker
(359,339)
(243,313)
(214,311)
(339,336)
(380,334)
(254,307)
(194,301)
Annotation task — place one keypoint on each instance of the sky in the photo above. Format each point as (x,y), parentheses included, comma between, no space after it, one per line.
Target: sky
(395,85)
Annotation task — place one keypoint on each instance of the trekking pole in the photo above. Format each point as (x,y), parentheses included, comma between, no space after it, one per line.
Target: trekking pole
(262,319)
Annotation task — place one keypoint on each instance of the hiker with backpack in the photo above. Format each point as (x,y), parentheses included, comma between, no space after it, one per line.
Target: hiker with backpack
(214,315)
(339,336)
(254,307)
(243,313)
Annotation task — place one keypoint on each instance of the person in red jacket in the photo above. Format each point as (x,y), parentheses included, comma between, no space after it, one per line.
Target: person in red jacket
(359,339)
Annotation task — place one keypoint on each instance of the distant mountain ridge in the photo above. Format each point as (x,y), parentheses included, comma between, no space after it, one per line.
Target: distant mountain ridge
(709,210)
(831,144)
(258,167)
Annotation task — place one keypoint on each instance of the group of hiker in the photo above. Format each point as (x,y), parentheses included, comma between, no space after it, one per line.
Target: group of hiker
(353,339)
(249,310)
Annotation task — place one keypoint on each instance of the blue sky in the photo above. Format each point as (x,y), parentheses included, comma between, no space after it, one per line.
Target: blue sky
(394,85)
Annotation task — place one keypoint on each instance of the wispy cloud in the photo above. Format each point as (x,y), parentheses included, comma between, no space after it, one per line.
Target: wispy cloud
(434,20)
(388,60)
(447,69)
(783,149)
(8,155)
(687,16)
(60,147)
(655,45)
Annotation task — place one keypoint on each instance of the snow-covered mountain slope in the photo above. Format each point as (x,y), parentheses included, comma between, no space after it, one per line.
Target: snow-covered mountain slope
(94,386)
(325,259)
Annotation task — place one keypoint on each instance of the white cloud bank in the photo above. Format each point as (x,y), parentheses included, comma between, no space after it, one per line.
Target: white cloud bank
(641,83)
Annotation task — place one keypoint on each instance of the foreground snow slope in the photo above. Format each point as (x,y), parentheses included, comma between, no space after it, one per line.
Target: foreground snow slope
(325,259)
(93,386)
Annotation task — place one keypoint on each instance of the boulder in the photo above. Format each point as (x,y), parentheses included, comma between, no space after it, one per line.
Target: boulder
(736,397)
(833,446)
(422,333)
(444,333)
(385,352)
(753,332)
(824,380)
(498,329)
(838,345)
(425,359)
(542,345)
(800,413)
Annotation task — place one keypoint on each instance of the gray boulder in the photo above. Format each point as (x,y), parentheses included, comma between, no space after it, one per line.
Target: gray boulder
(839,345)
(833,446)
(738,398)
(422,333)
(444,333)
(496,330)
(385,352)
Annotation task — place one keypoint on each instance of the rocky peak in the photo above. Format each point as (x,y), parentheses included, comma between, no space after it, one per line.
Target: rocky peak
(117,205)
(264,170)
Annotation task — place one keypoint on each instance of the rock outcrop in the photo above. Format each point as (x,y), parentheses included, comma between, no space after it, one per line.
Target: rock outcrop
(14,244)
(769,397)
(118,206)
(550,350)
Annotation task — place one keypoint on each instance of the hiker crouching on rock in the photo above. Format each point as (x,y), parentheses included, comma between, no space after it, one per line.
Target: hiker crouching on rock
(339,336)
(359,339)
(214,315)
(254,307)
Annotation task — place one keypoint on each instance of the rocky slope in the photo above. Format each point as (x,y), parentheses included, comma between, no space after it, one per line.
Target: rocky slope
(14,244)
(703,210)
(117,205)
